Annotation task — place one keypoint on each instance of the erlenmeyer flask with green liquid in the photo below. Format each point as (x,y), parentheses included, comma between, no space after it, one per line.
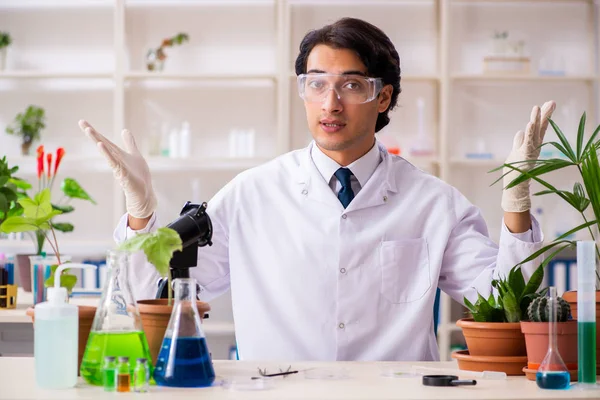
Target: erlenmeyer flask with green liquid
(117,327)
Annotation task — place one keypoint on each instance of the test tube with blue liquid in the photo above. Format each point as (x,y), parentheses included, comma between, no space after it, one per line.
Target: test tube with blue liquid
(184,359)
(552,373)
(586,315)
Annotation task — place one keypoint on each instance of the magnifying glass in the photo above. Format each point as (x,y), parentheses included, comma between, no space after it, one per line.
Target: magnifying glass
(446,380)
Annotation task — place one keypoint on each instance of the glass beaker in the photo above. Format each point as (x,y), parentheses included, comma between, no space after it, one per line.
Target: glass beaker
(552,373)
(117,328)
(184,360)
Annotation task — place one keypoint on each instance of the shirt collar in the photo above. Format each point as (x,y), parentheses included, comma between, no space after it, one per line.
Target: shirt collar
(362,168)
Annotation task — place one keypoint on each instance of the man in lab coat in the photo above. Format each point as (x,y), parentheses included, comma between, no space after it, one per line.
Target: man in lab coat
(335,251)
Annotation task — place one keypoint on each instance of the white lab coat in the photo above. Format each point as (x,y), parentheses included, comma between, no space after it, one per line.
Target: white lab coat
(311,280)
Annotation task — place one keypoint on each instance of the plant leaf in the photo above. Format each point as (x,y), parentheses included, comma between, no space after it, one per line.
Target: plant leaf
(512,309)
(72,189)
(516,282)
(556,164)
(9,194)
(580,133)
(20,183)
(561,136)
(158,246)
(3,180)
(63,226)
(469,305)
(18,224)
(65,209)
(590,142)
(544,249)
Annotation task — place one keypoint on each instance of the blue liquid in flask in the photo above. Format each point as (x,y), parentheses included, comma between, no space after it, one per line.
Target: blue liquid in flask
(188,365)
(553,380)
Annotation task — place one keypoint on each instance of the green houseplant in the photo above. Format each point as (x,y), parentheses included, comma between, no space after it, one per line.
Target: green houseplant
(159,247)
(582,157)
(36,214)
(28,124)
(155,58)
(11,189)
(5,41)
(494,329)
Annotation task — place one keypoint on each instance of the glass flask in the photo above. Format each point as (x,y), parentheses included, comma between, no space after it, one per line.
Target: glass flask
(184,360)
(552,373)
(117,327)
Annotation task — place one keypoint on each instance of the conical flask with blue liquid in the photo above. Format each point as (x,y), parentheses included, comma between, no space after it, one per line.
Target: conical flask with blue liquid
(184,359)
(117,328)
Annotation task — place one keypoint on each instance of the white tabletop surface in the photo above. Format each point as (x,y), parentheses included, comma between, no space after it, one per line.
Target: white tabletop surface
(364,380)
(25,300)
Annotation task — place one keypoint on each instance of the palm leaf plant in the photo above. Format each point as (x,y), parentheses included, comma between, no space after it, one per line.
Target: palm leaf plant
(585,196)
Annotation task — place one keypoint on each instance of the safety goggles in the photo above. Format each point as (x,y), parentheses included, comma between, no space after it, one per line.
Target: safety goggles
(349,89)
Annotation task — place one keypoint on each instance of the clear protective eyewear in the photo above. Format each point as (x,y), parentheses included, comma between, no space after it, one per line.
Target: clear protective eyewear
(350,89)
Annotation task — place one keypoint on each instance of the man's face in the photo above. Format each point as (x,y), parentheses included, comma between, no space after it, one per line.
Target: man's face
(336,125)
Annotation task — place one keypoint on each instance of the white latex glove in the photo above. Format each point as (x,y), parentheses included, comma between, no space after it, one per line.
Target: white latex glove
(525,147)
(130,169)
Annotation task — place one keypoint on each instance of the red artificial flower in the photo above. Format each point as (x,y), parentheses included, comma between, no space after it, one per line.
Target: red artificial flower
(40,161)
(49,159)
(60,152)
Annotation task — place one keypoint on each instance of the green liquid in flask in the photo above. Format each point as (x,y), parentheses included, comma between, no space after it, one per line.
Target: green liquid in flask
(118,344)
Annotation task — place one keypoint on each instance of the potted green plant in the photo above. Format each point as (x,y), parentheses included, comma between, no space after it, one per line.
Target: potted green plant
(493,332)
(535,328)
(159,247)
(582,157)
(37,216)
(11,189)
(155,58)
(5,41)
(28,125)
(47,170)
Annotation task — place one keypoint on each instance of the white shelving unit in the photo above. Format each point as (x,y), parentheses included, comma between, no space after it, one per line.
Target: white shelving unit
(237,73)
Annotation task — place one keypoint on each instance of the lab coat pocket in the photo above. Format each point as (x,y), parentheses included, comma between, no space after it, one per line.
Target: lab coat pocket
(404,270)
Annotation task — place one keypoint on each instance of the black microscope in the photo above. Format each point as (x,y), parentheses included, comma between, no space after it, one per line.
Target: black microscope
(195,230)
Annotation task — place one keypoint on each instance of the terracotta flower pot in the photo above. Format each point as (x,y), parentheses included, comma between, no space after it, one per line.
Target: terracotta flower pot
(496,339)
(155,316)
(536,341)
(571,298)
(86,318)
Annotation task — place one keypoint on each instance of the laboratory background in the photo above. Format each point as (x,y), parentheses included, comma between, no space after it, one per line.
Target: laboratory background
(208,90)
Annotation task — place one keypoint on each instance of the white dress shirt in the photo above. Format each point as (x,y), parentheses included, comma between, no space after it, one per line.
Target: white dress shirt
(311,280)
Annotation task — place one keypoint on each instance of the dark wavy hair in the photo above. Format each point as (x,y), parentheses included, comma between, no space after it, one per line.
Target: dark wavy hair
(372,46)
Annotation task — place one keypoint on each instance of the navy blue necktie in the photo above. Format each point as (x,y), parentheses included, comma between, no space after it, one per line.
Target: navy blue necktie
(345,194)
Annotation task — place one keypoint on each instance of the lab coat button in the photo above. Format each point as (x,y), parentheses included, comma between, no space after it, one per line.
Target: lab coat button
(384,199)
(343,270)
(341,325)
(344,216)
(305,191)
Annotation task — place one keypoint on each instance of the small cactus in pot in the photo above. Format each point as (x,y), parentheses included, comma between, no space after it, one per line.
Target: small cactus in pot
(539,310)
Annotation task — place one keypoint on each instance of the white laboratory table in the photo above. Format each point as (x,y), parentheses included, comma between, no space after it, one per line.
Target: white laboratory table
(16,329)
(362,380)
